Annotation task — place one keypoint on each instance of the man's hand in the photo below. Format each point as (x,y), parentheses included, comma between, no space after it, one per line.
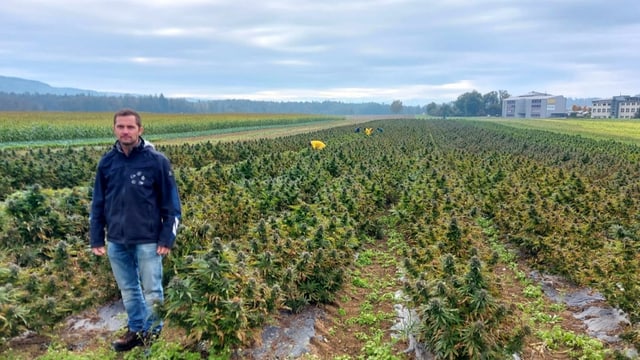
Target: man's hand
(163,250)
(100,251)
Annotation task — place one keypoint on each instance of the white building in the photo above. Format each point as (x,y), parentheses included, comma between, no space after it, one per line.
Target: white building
(534,105)
(618,107)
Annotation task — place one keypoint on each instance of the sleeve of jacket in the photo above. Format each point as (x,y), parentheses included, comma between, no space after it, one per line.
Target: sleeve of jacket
(170,209)
(96,217)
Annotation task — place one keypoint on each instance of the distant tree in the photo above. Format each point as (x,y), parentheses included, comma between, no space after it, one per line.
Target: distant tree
(445,110)
(432,109)
(470,104)
(637,114)
(163,104)
(492,103)
(396,106)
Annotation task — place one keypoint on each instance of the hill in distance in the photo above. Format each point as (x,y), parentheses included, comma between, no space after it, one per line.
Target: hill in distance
(22,86)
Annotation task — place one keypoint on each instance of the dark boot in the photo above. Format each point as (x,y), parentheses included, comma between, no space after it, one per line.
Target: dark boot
(128,341)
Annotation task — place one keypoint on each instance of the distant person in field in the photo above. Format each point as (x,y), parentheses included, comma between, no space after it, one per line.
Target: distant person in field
(136,205)
(317,144)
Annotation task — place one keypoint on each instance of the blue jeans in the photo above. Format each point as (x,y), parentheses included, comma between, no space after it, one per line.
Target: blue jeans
(138,272)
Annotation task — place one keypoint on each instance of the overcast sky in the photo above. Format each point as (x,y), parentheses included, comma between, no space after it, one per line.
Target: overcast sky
(416,51)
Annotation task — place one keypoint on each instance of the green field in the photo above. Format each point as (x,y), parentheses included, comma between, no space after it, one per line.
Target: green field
(600,129)
(456,213)
(20,129)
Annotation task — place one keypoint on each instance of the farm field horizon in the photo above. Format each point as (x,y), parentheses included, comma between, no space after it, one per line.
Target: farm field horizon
(456,213)
(23,129)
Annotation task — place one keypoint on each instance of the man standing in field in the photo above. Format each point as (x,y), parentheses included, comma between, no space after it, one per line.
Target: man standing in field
(135,198)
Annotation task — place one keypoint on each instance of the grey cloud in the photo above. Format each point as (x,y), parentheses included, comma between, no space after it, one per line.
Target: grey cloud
(329,48)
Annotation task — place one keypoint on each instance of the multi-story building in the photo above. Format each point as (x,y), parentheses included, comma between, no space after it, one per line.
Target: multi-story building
(601,109)
(534,105)
(618,107)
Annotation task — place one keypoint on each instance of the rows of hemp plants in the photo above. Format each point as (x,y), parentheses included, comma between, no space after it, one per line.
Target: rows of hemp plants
(27,165)
(273,224)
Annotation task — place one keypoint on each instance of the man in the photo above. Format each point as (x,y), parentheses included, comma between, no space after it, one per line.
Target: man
(135,198)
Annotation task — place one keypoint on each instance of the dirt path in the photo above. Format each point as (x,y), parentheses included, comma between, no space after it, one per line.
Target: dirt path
(284,130)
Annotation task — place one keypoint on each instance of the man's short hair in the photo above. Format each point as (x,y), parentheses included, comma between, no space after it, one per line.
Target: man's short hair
(127,112)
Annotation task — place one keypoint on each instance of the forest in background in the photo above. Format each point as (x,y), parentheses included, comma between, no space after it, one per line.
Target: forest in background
(18,94)
(162,104)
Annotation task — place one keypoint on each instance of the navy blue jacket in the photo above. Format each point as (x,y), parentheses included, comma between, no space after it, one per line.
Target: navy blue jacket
(135,198)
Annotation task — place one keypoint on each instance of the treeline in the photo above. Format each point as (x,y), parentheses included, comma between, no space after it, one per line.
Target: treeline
(162,104)
(470,104)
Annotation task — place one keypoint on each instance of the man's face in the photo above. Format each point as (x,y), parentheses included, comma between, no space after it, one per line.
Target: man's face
(126,130)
